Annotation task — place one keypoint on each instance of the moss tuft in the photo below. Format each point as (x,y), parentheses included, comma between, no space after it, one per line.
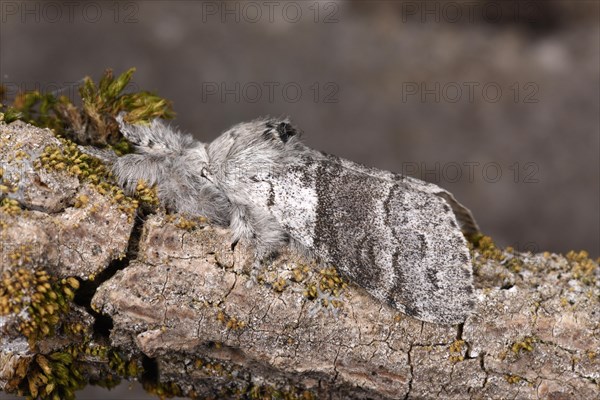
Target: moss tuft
(163,390)
(186,222)
(527,344)
(582,267)
(54,376)
(487,248)
(95,122)
(456,351)
(10,206)
(231,323)
(44,298)
(329,283)
(146,195)
(126,368)
(91,170)
(513,379)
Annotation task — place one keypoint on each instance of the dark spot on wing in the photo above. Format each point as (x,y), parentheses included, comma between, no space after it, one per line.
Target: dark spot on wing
(284,130)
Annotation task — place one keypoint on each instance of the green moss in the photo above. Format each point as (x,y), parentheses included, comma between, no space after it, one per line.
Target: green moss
(181,221)
(329,283)
(38,109)
(513,379)
(94,123)
(88,169)
(213,368)
(527,344)
(456,351)
(486,248)
(126,368)
(231,323)
(45,299)
(59,374)
(582,267)
(164,390)
(10,206)
(9,114)
(55,376)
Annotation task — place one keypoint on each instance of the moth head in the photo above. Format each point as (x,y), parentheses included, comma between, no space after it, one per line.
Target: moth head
(279,130)
(259,145)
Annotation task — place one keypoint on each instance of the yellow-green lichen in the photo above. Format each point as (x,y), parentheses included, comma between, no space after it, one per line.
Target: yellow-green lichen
(81,201)
(10,206)
(146,194)
(18,256)
(582,266)
(231,323)
(44,298)
(484,249)
(300,273)
(512,379)
(280,284)
(456,351)
(91,170)
(487,249)
(527,344)
(183,221)
(8,182)
(329,283)
(213,368)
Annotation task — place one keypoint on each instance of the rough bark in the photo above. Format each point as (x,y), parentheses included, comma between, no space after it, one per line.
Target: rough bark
(167,301)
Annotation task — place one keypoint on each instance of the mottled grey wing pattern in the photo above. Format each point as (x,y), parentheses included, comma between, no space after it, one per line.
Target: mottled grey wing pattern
(402,245)
(463,215)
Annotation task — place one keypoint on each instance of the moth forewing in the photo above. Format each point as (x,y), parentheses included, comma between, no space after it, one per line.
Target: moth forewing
(400,244)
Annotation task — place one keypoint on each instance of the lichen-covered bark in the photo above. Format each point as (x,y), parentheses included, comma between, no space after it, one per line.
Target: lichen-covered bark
(190,316)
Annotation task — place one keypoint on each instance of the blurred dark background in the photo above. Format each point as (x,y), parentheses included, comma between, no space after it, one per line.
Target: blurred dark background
(497,101)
